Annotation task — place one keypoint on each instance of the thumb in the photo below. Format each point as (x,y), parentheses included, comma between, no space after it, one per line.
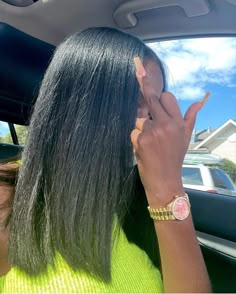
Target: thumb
(190,118)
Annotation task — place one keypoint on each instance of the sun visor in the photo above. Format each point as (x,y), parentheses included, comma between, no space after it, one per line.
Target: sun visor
(23,61)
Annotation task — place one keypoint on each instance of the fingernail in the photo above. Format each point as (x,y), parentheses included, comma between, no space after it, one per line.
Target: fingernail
(140,71)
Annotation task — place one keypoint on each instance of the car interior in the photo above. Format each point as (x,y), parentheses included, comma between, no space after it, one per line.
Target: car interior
(29,32)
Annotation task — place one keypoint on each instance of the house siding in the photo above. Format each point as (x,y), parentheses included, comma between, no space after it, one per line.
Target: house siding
(224,144)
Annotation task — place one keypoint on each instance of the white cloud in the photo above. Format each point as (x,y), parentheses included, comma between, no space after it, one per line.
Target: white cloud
(194,63)
(190,92)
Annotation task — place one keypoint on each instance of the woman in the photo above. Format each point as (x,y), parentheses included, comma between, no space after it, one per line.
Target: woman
(78,184)
(8,179)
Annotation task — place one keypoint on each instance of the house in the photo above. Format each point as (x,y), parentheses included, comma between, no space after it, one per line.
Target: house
(221,142)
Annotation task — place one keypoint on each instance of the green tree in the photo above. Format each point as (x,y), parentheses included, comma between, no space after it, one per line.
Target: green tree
(22,133)
(230,168)
(7,139)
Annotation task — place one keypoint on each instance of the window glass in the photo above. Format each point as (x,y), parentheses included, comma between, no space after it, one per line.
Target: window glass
(191,176)
(22,132)
(220,179)
(5,134)
(194,67)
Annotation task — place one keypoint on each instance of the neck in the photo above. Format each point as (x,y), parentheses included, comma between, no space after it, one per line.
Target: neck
(4,266)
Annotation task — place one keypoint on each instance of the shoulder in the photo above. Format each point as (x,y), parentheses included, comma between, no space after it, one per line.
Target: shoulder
(131,269)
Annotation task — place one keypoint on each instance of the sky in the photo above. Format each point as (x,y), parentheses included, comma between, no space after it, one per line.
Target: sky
(195,66)
(3,129)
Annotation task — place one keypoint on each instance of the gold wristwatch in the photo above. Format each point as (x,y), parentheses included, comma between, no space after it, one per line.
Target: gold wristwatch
(177,209)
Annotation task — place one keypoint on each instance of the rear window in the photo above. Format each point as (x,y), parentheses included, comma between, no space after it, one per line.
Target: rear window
(220,179)
(191,176)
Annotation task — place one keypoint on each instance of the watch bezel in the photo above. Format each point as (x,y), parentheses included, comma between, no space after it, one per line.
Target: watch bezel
(173,205)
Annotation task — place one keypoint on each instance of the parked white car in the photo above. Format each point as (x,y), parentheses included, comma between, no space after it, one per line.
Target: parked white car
(207,178)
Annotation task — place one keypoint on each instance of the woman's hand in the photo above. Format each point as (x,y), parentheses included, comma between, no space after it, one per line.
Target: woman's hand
(160,144)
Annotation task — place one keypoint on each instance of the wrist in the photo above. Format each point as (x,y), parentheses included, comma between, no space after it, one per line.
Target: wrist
(164,195)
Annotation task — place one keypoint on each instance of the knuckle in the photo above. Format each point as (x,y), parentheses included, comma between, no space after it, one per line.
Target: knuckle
(168,128)
(181,126)
(132,135)
(142,141)
(156,132)
(174,126)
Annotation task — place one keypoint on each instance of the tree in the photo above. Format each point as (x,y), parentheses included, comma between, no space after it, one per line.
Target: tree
(22,133)
(230,168)
(7,139)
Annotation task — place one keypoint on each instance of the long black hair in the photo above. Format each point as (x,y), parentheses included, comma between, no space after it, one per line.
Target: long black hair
(78,157)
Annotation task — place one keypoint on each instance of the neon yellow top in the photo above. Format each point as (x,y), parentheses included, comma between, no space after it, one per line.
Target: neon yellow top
(131,270)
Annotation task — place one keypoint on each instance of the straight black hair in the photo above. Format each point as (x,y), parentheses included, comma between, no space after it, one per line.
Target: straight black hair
(78,157)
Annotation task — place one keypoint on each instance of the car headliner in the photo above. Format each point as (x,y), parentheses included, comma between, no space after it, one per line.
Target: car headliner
(24,58)
(53,20)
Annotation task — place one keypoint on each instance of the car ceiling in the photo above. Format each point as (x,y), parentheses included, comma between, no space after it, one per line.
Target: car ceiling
(28,35)
(53,20)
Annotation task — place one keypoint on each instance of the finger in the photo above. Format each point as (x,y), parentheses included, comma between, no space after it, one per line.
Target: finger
(155,107)
(134,138)
(140,81)
(152,100)
(191,114)
(140,72)
(170,104)
(205,98)
(190,118)
(142,124)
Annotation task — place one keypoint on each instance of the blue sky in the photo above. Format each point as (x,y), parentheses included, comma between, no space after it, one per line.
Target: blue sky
(195,66)
(3,129)
(198,65)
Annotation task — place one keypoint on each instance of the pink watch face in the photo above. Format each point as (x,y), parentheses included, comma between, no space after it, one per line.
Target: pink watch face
(180,208)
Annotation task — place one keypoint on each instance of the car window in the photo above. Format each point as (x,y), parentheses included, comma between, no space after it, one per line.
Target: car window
(191,176)
(5,134)
(21,132)
(193,67)
(220,179)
